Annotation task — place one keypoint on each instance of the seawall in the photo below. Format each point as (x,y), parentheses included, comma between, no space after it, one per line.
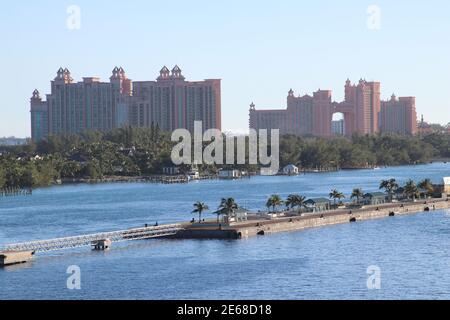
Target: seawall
(296,223)
(332,218)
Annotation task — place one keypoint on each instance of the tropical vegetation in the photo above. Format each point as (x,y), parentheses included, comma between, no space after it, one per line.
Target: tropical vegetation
(274,201)
(411,190)
(427,185)
(357,194)
(390,186)
(227,207)
(145,151)
(295,201)
(336,195)
(200,207)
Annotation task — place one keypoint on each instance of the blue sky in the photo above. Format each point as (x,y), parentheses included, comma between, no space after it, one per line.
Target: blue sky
(260,49)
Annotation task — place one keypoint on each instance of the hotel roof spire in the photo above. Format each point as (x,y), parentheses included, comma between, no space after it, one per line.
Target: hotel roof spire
(164,73)
(118,73)
(176,73)
(36,95)
(63,75)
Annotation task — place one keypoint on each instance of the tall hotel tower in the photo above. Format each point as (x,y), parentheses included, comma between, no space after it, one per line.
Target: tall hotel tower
(365,100)
(170,102)
(362,109)
(398,115)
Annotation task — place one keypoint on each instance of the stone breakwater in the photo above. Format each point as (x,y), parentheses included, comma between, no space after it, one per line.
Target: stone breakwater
(338,217)
(259,227)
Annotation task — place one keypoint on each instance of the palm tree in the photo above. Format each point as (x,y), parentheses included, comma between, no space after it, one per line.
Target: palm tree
(295,200)
(427,185)
(199,208)
(227,207)
(274,201)
(390,186)
(357,193)
(411,190)
(335,194)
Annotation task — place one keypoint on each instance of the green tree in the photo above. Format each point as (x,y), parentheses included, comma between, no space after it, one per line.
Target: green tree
(227,207)
(29,177)
(2,177)
(92,170)
(411,190)
(427,185)
(199,207)
(70,169)
(47,173)
(295,201)
(274,201)
(357,194)
(336,195)
(390,186)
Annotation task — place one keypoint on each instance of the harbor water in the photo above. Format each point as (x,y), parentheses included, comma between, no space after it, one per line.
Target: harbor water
(412,253)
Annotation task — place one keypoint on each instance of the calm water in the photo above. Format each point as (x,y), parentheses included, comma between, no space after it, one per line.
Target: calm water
(413,252)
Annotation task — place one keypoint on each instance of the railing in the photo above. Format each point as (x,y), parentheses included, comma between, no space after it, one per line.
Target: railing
(87,240)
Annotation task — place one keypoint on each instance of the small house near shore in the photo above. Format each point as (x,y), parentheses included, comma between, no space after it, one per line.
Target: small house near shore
(446,187)
(194,173)
(172,171)
(290,170)
(239,215)
(399,194)
(374,198)
(423,193)
(317,204)
(230,174)
(79,158)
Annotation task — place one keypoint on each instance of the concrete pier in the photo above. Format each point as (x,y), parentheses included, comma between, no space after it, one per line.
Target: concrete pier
(15,257)
(260,227)
(255,225)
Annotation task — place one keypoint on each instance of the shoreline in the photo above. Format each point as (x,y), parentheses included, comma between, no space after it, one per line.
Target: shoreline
(183,179)
(164,179)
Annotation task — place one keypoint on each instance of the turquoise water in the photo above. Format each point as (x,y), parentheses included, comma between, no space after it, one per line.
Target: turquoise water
(412,252)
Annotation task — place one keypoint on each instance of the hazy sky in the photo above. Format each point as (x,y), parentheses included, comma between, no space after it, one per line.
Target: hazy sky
(260,49)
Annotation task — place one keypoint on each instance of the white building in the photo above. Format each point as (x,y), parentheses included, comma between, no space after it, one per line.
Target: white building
(290,170)
(171,170)
(446,187)
(230,174)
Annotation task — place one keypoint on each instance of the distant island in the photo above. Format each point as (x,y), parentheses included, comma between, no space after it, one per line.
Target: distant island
(137,152)
(12,141)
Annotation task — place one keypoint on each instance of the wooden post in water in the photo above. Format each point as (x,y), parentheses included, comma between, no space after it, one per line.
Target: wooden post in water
(15,191)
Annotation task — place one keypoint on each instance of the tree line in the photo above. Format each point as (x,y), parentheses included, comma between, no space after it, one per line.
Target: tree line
(296,202)
(145,151)
(362,151)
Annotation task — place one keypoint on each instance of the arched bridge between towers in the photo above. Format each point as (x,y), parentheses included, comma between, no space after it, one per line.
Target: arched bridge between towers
(348,111)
